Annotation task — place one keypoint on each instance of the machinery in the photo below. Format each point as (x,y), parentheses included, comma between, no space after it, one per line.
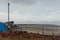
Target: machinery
(7,26)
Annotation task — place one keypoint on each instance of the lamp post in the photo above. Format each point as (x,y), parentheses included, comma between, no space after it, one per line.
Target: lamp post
(8,11)
(8,14)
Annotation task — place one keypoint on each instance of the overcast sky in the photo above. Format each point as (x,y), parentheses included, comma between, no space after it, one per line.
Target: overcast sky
(28,11)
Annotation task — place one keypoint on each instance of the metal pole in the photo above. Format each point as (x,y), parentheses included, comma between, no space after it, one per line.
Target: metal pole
(8,15)
(21,34)
(42,31)
(8,11)
(38,31)
(53,34)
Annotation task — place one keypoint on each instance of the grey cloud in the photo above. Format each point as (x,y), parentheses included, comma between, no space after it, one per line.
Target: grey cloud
(20,2)
(4,1)
(24,2)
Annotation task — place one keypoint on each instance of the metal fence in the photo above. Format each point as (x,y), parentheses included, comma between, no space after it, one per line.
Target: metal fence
(54,31)
(41,30)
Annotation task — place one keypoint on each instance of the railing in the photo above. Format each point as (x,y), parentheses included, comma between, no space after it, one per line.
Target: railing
(41,30)
(44,33)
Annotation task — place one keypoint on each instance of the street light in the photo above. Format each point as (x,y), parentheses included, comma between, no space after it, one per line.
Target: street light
(8,11)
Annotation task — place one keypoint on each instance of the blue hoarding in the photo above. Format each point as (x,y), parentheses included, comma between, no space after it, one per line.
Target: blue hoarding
(3,28)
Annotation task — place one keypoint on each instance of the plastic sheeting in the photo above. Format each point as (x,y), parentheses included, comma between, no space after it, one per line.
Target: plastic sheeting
(3,28)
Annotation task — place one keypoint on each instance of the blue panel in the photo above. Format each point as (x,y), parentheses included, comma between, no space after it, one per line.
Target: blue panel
(3,28)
